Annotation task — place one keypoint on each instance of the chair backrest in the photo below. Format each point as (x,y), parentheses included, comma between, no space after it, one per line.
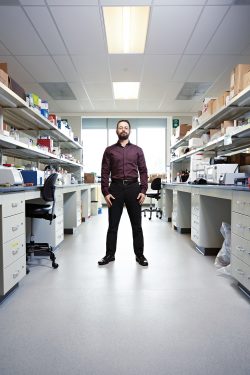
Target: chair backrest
(48,190)
(156,184)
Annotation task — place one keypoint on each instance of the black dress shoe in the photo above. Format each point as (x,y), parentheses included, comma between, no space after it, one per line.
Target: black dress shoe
(142,260)
(106,260)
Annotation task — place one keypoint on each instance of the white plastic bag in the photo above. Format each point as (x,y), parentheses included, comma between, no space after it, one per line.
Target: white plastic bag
(223,257)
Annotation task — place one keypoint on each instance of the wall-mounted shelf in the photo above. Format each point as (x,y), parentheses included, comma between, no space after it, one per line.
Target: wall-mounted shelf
(15,112)
(237,107)
(18,114)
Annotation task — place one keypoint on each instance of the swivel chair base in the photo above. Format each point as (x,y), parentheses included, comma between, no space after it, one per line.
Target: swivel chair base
(41,249)
(151,209)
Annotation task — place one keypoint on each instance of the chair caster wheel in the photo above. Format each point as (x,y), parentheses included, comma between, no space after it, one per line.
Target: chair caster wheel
(55,265)
(149,218)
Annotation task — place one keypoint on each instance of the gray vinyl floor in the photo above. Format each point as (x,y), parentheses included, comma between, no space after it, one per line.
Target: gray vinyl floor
(175,317)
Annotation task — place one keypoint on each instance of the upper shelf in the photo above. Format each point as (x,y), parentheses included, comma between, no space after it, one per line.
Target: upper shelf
(239,138)
(237,107)
(19,149)
(18,114)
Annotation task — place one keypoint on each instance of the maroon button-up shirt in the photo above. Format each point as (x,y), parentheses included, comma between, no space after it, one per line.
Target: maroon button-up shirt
(123,163)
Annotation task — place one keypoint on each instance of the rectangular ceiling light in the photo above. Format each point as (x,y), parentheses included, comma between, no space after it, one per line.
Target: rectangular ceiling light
(126,28)
(126,90)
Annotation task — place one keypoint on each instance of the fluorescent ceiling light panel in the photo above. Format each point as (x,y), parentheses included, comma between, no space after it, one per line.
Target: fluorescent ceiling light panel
(126,28)
(126,90)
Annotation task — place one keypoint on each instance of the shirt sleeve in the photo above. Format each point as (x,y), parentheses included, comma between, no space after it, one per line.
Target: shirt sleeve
(142,168)
(105,172)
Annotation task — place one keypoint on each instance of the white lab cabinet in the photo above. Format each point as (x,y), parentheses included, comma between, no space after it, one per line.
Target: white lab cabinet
(12,242)
(240,245)
(181,216)
(208,213)
(166,204)
(72,210)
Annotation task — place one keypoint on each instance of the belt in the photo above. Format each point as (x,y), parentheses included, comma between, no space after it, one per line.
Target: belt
(125,181)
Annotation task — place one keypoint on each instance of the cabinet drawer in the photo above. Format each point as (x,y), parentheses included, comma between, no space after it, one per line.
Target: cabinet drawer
(240,271)
(13,250)
(13,227)
(241,225)
(241,202)
(13,274)
(13,206)
(241,248)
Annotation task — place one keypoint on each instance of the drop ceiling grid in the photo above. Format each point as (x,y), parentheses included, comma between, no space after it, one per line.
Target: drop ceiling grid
(167,35)
(46,29)
(80,28)
(18,34)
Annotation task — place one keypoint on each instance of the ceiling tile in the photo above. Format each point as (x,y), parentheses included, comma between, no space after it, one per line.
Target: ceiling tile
(37,89)
(47,30)
(49,71)
(22,38)
(219,2)
(159,68)
(126,68)
(152,91)
(3,50)
(166,33)
(237,38)
(72,2)
(172,89)
(126,105)
(79,90)
(148,105)
(93,68)
(70,105)
(67,68)
(99,91)
(210,19)
(16,70)
(184,67)
(210,67)
(102,105)
(177,106)
(125,2)
(32,2)
(81,29)
(179,2)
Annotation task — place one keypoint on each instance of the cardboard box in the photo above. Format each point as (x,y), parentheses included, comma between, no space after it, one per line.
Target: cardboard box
(195,142)
(4,78)
(182,130)
(246,80)
(236,82)
(4,67)
(220,102)
(14,86)
(89,178)
(226,125)
(214,133)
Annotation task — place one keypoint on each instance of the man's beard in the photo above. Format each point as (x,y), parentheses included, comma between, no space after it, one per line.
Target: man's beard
(123,137)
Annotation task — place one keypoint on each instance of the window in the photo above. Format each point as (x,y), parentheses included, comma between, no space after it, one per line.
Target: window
(149,134)
(94,144)
(152,141)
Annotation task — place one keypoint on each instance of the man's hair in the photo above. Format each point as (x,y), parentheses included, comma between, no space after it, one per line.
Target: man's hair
(123,121)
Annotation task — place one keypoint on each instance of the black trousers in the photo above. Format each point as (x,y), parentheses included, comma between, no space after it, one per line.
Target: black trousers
(125,194)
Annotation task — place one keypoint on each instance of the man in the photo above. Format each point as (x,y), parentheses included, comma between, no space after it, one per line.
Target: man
(123,161)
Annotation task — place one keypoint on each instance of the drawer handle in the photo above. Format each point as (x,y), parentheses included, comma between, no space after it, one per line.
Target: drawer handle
(240,226)
(16,274)
(240,272)
(14,205)
(14,252)
(15,228)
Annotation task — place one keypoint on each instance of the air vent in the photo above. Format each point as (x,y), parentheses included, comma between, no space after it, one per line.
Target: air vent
(193,90)
(241,2)
(58,90)
(9,3)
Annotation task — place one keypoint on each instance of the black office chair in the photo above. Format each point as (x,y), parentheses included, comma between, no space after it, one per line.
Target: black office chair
(46,212)
(155,185)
